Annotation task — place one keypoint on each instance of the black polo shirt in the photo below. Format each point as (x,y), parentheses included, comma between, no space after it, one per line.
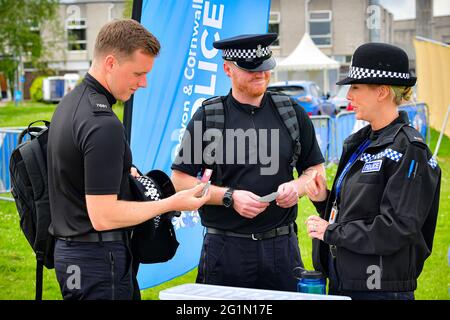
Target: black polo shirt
(247,175)
(87,153)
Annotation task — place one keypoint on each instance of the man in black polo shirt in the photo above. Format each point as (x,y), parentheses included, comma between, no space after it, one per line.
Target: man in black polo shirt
(89,162)
(249,242)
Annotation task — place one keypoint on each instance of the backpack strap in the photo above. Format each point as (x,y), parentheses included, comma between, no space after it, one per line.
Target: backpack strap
(39,278)
(36,168)
(214,113)
(214,117)
(30,129)
(287,113)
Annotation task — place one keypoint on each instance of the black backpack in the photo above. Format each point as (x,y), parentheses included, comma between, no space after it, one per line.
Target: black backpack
(29,187)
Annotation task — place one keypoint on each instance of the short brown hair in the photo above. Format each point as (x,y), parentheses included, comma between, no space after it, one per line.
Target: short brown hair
(123,38)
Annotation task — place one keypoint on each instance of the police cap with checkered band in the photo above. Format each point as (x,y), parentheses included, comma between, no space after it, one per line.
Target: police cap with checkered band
(250,52)
(379,63)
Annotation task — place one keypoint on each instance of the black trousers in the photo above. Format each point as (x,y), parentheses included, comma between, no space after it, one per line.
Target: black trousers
(240,262)
(95,271)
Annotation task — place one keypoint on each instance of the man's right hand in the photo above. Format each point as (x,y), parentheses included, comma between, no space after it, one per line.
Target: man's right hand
(190,199)
(247,205)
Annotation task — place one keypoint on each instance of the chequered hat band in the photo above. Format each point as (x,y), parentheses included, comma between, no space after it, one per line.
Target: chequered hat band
(235,54)
(151,190)
(362,73)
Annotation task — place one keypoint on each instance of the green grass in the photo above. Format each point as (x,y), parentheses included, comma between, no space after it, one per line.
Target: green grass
(17,263)
(27,112)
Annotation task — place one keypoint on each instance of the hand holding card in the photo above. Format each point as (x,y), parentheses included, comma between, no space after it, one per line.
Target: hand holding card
(269,198)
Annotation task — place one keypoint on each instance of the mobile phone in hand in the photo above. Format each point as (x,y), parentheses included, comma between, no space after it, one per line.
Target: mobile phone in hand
(206,175)
(205,188)
(205,179)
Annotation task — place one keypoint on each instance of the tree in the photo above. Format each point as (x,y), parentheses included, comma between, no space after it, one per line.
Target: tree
(128,9)
(20,40)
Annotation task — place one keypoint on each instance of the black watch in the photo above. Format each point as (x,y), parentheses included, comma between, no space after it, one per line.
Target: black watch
(227,199)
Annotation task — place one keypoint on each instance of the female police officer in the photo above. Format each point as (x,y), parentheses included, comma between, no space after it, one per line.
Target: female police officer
(377,223)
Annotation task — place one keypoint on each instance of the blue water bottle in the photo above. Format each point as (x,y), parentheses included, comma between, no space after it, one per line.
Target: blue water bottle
(310,281)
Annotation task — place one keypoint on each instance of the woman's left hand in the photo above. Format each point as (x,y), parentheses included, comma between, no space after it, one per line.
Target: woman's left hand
(316,227)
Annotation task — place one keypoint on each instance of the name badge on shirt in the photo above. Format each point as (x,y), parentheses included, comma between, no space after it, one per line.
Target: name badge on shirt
(372,166)
(333,214)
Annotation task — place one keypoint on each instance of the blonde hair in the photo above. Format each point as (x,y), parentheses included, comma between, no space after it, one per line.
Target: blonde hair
(401,94)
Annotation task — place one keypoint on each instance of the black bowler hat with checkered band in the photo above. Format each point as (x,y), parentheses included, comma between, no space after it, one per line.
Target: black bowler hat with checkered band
(250,52)
(154,240)
(379,63)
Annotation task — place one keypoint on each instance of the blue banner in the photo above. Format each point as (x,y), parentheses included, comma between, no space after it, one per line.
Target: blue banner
(187,71)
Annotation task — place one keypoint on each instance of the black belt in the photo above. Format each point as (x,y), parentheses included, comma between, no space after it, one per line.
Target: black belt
(280,231)
(106,236)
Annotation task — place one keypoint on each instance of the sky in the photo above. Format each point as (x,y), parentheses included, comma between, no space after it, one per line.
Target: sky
(406,9)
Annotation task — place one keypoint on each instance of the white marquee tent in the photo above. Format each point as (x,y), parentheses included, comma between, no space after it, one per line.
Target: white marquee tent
(307,57)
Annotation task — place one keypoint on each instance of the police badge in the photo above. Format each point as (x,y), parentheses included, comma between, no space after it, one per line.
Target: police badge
(259,51)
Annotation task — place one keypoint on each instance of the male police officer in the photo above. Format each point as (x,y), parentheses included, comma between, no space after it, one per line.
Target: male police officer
(89,161)
(249,242)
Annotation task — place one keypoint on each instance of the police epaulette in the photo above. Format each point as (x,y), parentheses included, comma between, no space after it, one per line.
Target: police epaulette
(99,103)
(413,135)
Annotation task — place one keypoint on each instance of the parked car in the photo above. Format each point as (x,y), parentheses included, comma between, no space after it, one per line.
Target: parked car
(307,94)
(340,100)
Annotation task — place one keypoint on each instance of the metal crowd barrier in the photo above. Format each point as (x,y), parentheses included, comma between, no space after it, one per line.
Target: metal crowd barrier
(344,125)
(8,141)
(419,118)
(323,127)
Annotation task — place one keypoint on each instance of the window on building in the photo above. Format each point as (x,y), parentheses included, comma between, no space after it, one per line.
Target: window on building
(274,26)
(76,34)
(320,27)
(343,59)
(35,32)
(34,28)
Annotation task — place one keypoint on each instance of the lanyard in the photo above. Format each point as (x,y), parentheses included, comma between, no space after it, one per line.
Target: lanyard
(350,162)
